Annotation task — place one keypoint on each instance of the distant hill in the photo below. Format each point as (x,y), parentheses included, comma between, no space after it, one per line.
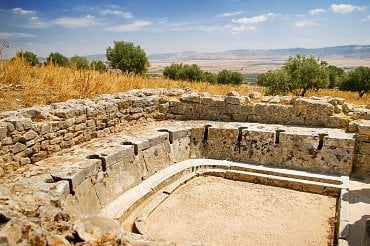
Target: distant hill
(346,51)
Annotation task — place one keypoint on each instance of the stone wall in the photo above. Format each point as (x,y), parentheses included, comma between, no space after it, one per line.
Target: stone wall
(30,135)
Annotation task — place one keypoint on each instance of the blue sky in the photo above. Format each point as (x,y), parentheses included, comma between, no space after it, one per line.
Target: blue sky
(81,27)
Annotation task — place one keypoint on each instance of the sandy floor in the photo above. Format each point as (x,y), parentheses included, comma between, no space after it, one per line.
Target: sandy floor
(216,211)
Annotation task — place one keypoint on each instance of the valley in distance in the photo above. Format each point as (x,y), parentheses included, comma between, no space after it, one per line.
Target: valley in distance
(253,62)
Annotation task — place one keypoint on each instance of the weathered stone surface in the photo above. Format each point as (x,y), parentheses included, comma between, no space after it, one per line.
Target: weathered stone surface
(347,107)
(313,107)
(235,100)
(191,97)
(254,95)
(93,227)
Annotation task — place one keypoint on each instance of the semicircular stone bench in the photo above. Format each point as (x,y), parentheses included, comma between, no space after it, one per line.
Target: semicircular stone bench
(111,177)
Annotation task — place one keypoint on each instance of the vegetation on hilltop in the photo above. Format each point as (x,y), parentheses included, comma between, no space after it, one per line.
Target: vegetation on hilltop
(194,73)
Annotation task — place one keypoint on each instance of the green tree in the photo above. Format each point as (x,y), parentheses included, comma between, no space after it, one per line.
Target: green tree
(358,80)
(98,66)
(306,73)
(127,57)
(336,76)
(210,77)
(172,71)
(57,59)
(28,56)
(276,82)
(190,73)
(229,77)
(80,62)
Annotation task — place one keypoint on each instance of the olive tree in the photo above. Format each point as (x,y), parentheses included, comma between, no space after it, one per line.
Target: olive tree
(80,62)
(98,66)
(29,57)
(127,57)
(57,59)
(298,75)
(358,80)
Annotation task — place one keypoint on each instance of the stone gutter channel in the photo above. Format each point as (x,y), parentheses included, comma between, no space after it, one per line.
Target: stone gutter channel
(58,198)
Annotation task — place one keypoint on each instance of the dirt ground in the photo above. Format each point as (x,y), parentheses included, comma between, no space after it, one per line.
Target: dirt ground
(216,211)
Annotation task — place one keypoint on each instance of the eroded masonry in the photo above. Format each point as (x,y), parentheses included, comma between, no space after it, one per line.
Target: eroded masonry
(128,169)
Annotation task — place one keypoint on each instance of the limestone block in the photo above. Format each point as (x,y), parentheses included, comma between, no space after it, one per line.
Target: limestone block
(235,100)
(275,99)
(163,108)
(239,118)
(64,112)
(35,113)
(363,148)
(312,107)
(347,107)
(276,111)
(232,109)
(221,142)
(190,97)
(286,99)
(261,109)
(233,93)
(93,227)
(338,109)
(336,101)
(248,109)
(180,133)
(18,147)
(361,165)
(113,154)
(254,95)
(88,201)
(256,146)
(76,171)
(156,138)
(20,123)
(213,101)
(118,178)
(364,127)
(180,148)
(157,157)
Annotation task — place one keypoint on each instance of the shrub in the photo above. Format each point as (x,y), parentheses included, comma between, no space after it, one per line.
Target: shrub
(57,59)
(80,62)
(98,66)
(229,77)
(28,56)
(358,80)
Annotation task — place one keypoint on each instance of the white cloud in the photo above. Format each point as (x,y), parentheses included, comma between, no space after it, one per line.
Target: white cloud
(22,11)
(231,14)
(367,18)
(14,35)
(303,23)
(72,22)
(116,12)
(135,26)
(345,8)
(33,18)
(316,11)
(239,29)
(254,19)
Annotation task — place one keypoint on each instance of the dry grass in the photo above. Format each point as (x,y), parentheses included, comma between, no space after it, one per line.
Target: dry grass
(22,85)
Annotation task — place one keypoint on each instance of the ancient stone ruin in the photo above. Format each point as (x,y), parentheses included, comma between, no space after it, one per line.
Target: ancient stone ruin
(113,170)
